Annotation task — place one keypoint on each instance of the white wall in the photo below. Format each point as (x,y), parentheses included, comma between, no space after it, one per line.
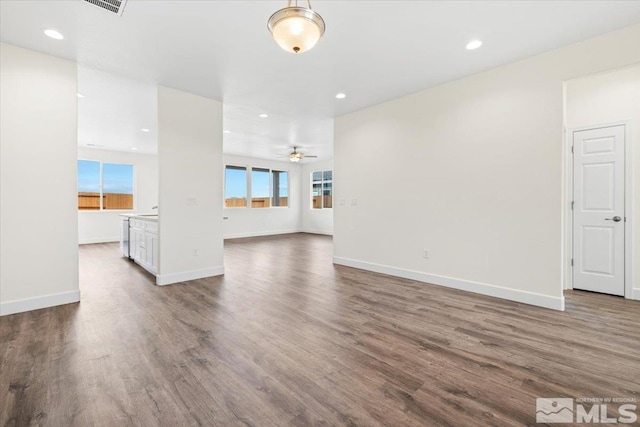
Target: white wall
(606,98)
(246,222)
(318,221)
(104,226)
(472,171)
(38,199)
(190,201)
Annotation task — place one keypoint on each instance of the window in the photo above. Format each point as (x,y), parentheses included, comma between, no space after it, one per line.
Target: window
(235,187)
(117,186)
(322,190)
(104,186)
(280,180)
(260,190)
(268,188)
(88,185)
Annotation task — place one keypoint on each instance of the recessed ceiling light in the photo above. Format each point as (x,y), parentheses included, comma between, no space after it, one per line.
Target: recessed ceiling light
(341,96)
(133,148)
(53,34)
(264,116)
(474,44)
(226,131)
(144,130)
(80,95)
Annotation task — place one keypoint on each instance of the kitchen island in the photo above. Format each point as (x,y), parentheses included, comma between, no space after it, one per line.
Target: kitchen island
(139,240)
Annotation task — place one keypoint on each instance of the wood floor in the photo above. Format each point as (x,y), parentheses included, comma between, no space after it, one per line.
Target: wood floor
(286,338)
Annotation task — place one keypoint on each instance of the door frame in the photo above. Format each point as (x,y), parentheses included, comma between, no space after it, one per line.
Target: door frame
(567,276)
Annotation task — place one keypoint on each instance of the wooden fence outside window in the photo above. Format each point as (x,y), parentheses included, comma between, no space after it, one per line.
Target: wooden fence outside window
(256,202)
(91,201)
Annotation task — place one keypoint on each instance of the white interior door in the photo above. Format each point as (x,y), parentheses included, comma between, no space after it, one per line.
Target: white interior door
(598,213)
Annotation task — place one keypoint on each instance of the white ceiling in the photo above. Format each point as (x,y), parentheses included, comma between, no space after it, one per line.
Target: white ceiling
(372,51)
(114,111)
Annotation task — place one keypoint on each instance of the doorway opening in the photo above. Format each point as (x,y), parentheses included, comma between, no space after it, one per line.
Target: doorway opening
(600,113)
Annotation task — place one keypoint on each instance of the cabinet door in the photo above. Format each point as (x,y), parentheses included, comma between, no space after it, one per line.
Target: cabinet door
(137,244)
(152,251)
(142,247)
(155,253)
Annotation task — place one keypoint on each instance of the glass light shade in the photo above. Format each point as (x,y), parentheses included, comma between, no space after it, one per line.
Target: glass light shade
(296,29)
(295,158)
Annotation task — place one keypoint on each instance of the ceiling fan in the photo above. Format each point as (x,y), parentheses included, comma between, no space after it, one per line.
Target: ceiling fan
(295,156)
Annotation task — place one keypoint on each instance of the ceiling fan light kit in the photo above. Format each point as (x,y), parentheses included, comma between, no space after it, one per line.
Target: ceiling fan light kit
(295,156)
(296,29)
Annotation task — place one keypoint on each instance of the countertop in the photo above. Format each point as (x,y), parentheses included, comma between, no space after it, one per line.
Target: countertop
(146,217)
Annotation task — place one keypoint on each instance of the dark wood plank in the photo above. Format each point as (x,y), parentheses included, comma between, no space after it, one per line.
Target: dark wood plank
(287,338)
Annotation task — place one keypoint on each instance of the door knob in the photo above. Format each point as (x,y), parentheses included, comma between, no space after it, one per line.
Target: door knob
(614,219)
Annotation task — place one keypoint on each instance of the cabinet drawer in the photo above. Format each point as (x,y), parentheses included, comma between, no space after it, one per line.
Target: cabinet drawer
(137,223)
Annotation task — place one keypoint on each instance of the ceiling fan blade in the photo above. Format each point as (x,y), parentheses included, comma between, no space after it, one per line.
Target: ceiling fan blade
(311,157)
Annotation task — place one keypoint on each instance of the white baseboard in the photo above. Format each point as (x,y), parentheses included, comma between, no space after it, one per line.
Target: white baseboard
(275,233)
(323,232)
(555,303)
(259,234)
(184,276)
(636,294)
(99,240)
(36,303)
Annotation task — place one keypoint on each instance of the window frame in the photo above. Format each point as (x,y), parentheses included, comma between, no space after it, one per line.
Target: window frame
(269,196)
(134,194)
(224,186)
(248,170)
(321,182)
(272,189)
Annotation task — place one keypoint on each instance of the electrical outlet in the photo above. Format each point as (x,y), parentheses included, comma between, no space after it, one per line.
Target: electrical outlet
(425,254)
(195,252)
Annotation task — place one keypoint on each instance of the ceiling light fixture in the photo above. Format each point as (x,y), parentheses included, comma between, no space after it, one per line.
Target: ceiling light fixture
(341,96)
(295,156)
(133,148)
(296,29)
(263,116)
(144,130)
(226,131)
(80,95)
(53,34)
(474,44)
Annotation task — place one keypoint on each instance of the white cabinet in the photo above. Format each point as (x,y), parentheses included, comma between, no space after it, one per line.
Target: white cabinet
(152,251)
(151,246)
(143,238)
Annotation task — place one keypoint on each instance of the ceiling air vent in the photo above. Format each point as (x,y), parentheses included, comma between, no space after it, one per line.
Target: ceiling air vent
(115,6)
